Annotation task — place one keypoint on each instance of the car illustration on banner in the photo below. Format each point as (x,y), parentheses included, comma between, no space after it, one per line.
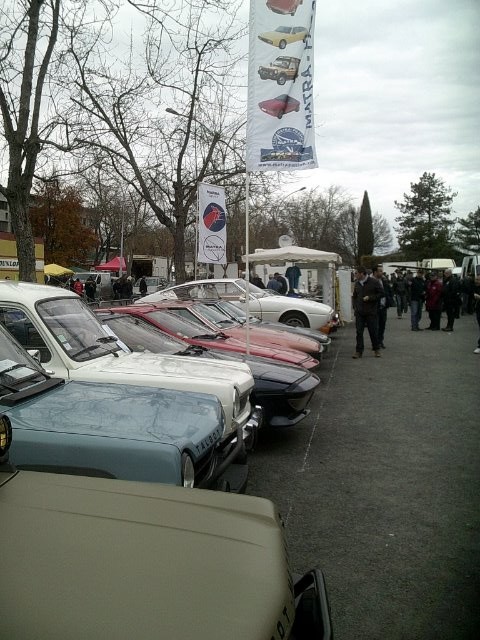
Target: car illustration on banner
(214,217)
(283,35)
(284,6)
(287,145)
(281,69)
(280,105)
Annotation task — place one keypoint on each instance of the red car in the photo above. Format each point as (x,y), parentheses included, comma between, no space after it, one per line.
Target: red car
(207,314)
(203,336)
(279,105)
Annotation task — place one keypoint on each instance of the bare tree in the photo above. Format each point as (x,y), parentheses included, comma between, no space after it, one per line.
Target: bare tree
(29,32)
(189,61)
(346,233)
(32,53)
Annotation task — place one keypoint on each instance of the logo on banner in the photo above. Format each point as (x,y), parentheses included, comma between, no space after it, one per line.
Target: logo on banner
(214,248)
(287,145)
(214,217)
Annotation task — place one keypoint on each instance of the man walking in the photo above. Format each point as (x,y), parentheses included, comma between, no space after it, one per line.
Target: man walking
(451,298)
(400,291)
(367,292)
(417,297)
(385,301)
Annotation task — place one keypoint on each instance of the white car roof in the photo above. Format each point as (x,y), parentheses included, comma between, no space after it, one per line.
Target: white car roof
(14,291)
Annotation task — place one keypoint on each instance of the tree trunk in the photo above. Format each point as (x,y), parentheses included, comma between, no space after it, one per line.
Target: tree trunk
(179,252)
(22,229)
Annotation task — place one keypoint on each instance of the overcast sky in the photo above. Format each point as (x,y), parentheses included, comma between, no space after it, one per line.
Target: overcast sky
(397,94)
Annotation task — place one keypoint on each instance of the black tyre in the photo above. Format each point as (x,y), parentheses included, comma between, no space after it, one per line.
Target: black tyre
(282,44)
(282,78)
(280,114)
(295,319)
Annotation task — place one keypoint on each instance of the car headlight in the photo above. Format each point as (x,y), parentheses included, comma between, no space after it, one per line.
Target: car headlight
(188,471)
(236,403)
(5,434)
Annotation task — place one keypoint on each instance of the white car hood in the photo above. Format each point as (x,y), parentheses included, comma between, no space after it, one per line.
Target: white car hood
(192,370)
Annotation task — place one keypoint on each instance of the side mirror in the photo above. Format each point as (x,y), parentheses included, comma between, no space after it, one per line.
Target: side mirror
(35,353)
(242,299)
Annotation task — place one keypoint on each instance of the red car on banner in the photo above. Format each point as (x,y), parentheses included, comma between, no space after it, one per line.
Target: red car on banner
(284,6)
(280,105)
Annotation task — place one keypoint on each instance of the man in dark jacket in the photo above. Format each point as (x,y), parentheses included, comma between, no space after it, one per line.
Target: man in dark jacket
(385,301)
(143,286)
(451,298)
(417,298)
(283,284)
(367,293)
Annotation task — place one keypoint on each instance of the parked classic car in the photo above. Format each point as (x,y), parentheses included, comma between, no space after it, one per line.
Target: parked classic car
(284,35)
(113,430)
(203,314)
(281,69)
(73,345)
(279,106)
(113,560)
(201,334)
(282,391)
(238,314)
(263,303)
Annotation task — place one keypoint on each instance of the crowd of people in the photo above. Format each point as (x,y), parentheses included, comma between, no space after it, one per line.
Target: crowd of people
(374,292)
(122,288)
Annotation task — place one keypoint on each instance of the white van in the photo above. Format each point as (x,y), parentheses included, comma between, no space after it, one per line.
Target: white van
(103,280)
(438,264)
(471,266)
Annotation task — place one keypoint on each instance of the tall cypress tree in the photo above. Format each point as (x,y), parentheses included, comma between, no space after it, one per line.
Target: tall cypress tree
(365,229)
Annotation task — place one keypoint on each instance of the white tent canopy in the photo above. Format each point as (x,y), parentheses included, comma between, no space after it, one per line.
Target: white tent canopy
(291,254)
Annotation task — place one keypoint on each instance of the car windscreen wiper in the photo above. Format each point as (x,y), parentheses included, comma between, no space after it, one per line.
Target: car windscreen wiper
(210,336)
(105,339)
(193,349)
(92,347)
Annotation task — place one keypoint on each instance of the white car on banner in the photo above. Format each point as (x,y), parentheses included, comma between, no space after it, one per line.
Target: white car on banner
(263,303)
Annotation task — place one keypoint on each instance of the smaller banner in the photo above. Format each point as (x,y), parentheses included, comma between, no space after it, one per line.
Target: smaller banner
(212,224)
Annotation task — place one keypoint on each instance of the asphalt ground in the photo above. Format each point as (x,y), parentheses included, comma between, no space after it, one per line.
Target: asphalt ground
(380,486)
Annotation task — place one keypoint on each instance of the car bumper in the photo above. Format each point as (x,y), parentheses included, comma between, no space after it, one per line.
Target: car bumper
(229,470)
(251,429)
(312,610)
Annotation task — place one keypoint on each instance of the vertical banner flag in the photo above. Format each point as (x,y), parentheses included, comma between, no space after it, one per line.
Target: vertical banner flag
(212,224)
(280,128)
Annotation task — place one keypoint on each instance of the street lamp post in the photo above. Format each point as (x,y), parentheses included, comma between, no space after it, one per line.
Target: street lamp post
(120,270)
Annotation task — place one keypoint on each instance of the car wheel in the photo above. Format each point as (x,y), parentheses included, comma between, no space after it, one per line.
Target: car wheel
(295,319)
(282,44)
(281,79)
(280,114)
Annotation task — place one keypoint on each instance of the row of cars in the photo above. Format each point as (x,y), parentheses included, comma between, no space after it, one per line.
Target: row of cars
(100,396)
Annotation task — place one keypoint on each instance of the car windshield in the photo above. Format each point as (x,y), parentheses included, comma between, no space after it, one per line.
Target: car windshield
(283,29)
(216,316)
(235,312)
(138,335)
(178,326)
(255,291)
(76,329)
